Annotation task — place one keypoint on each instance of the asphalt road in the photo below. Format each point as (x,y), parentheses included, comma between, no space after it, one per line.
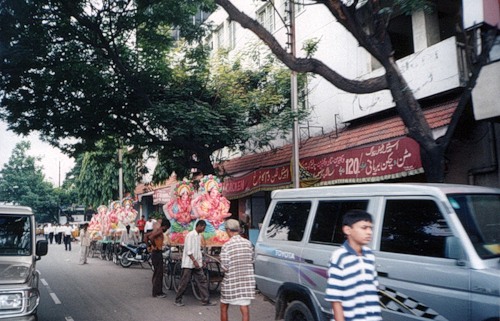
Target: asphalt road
(104,291)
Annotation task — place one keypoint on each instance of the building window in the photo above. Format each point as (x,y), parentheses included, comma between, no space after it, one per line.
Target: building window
(265,17)
(401,34)
(232,26)
(299,6)
(219,36)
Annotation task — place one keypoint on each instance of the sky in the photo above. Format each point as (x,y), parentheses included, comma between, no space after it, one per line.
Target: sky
(52,160)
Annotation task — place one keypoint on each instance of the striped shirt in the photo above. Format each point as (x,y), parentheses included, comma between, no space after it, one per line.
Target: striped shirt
(237,262)
(352,280)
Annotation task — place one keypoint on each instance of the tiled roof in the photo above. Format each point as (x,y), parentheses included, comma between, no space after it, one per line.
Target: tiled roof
(142,188)
(437,116)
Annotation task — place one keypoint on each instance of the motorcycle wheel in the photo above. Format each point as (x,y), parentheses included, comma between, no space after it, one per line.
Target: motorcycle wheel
(125,260)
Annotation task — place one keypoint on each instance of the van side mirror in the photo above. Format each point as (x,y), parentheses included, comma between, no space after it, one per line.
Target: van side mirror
(453,248)
(42,247)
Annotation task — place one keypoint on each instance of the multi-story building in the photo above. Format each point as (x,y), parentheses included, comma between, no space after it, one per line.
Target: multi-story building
(352,138)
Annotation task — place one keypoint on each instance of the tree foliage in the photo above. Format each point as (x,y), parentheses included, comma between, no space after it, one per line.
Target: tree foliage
(80,71)
(367,21)
(96,174)
(22,182)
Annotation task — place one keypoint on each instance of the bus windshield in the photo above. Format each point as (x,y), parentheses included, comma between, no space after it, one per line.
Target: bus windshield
(15,235)
(480,216)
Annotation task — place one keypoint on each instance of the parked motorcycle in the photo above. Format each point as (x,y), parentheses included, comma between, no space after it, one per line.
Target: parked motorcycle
(135,254)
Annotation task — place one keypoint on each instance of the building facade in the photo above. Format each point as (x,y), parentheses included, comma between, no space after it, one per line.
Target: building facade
(352,138)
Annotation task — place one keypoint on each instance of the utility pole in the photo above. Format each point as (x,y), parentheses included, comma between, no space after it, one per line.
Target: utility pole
(120,174)
(293,100)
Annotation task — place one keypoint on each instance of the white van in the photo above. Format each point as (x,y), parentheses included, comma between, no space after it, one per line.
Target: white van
(437,249)
(19,251)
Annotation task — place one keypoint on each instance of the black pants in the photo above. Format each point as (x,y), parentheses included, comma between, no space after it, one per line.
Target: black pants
(51,237)
(59,238)
(157,260)
(67,242)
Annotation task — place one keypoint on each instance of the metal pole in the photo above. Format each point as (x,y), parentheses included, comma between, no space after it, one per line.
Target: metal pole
(293,98)
(120,174)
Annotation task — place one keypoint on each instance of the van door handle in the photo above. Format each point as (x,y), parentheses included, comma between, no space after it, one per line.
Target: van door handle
(309,261)
(383,274)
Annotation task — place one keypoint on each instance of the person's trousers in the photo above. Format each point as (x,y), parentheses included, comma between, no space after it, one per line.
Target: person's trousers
(67,242)
(84,252)
(157,260)
(51,237)
(198,278)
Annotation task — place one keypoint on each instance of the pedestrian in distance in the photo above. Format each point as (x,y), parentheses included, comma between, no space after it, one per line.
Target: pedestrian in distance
(84,243)
(141,223)
(192,265)
(66,230)
(148,226)
(128,237)
(238,285)
(352,279)
(46,232)
(154,240)
(51,232)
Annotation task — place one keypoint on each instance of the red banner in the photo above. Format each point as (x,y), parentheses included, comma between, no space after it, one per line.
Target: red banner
(378,162)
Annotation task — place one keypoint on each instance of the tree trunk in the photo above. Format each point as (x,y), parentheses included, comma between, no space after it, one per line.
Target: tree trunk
(431,153)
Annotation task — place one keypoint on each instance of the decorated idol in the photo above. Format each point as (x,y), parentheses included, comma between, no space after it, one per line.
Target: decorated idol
(211,205)
(179,208)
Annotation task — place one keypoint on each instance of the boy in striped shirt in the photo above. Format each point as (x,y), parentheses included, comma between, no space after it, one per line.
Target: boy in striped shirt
(352,279)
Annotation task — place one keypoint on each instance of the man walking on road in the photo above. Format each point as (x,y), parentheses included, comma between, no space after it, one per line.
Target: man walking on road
(66,231)
(192,264)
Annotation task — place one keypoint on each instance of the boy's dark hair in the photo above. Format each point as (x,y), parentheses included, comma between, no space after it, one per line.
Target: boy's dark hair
(354,216)
(201,223)
(165,222)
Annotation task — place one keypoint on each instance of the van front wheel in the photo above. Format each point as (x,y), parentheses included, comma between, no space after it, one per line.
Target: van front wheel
(298,311)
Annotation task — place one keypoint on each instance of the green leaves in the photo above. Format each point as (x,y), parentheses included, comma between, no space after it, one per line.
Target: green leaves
(22,182)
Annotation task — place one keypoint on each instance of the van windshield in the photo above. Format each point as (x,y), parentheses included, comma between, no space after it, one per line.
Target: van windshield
(15,235)
(480,216)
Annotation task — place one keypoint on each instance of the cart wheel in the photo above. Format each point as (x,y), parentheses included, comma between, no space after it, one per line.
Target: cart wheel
(177,272)
(196,290)
(214,275)
(168,274)
(92,250)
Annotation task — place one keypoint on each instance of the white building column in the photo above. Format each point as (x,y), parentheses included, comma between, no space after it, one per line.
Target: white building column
(425,30)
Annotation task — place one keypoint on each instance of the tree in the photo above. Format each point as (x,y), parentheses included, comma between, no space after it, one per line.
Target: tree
(80,71)
(95,174)
(370,30)
(22,182)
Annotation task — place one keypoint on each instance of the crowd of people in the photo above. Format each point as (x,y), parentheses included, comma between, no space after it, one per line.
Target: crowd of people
(60,234)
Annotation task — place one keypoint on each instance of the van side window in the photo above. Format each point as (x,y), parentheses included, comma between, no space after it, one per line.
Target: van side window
(288,221)
(327,226)
(414,227)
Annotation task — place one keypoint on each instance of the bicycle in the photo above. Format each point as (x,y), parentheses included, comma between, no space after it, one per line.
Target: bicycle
(211,269)
(171,257)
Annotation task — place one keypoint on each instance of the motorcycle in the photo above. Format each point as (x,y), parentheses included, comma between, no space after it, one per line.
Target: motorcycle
(135,254)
